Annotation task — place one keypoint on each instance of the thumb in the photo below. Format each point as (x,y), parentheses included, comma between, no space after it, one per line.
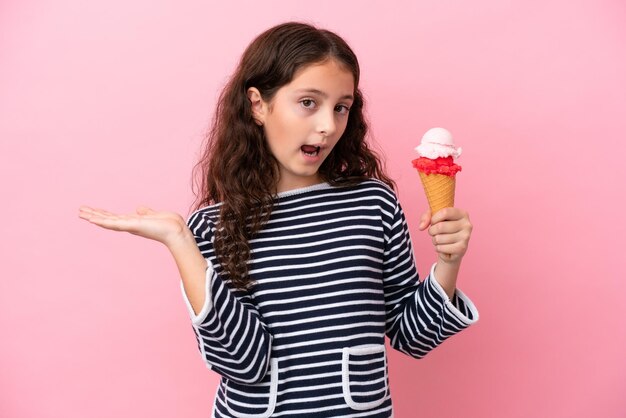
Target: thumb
(144,210)
(425,220)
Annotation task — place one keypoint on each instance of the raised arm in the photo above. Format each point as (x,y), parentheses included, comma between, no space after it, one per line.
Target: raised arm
(231,336)
(170,229)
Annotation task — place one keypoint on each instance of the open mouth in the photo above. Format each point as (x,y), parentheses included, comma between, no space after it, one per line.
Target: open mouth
(310,150)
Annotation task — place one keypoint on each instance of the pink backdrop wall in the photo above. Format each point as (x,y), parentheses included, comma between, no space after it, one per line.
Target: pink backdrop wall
(105,103)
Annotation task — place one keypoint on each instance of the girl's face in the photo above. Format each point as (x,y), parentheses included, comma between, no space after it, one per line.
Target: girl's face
(304,120)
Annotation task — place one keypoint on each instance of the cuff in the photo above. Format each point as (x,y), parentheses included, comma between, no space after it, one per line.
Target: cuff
(208,299)
(464,309)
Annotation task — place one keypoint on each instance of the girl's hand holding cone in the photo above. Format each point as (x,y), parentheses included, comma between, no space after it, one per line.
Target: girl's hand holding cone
(450,229)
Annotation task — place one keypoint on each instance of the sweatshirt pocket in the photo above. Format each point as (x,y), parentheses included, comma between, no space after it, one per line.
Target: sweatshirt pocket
(364,376)
(252,401)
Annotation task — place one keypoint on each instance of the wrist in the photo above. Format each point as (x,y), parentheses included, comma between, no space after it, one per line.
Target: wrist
(180,241)
(446,275)
(448,260)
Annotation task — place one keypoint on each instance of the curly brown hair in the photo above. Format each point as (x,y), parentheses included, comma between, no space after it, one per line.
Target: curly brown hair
(237,168)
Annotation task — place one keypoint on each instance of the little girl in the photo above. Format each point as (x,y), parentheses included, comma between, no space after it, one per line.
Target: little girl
(297,260)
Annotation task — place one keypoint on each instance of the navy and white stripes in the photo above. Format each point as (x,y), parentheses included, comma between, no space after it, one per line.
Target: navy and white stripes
(334,273)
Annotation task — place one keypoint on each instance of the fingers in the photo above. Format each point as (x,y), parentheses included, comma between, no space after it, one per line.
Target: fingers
(445,227)
(450,230)
(443,239)
(425,220)
(147,223)
(89,211)
(85,212)
(448,214)
(456,249)
(454,243)
(108,223)
(106,219)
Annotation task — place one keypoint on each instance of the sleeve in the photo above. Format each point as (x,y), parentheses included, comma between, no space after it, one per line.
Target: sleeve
(419,315)
(231,336)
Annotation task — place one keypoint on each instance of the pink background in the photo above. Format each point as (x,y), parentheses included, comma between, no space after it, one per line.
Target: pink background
(105,103)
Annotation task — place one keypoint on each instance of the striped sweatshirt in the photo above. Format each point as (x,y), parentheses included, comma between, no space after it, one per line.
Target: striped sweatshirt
(334,273)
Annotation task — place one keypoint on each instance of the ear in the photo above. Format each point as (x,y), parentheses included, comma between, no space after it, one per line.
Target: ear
(257,104)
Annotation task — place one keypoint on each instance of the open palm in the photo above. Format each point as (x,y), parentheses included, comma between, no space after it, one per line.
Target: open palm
(159,226)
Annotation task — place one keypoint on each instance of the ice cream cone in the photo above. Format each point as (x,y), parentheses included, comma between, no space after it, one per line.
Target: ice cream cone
(439,190)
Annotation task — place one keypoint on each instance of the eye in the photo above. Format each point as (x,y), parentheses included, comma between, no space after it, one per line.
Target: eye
(342,109)
(308,103)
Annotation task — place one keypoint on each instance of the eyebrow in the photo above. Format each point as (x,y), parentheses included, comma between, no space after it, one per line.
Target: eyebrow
(324,95)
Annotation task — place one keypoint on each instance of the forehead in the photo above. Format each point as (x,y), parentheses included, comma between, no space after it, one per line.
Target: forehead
(329,77)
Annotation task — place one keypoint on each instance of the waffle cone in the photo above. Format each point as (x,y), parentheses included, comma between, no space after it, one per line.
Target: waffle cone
(439,190)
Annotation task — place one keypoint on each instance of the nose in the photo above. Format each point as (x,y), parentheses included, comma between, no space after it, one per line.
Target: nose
(325,123)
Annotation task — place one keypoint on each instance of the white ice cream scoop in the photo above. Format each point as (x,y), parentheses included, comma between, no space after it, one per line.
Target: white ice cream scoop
(438,143)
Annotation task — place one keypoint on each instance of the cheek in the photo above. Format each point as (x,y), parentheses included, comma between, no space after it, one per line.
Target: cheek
(282,123)
(274,130)
(341,127)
